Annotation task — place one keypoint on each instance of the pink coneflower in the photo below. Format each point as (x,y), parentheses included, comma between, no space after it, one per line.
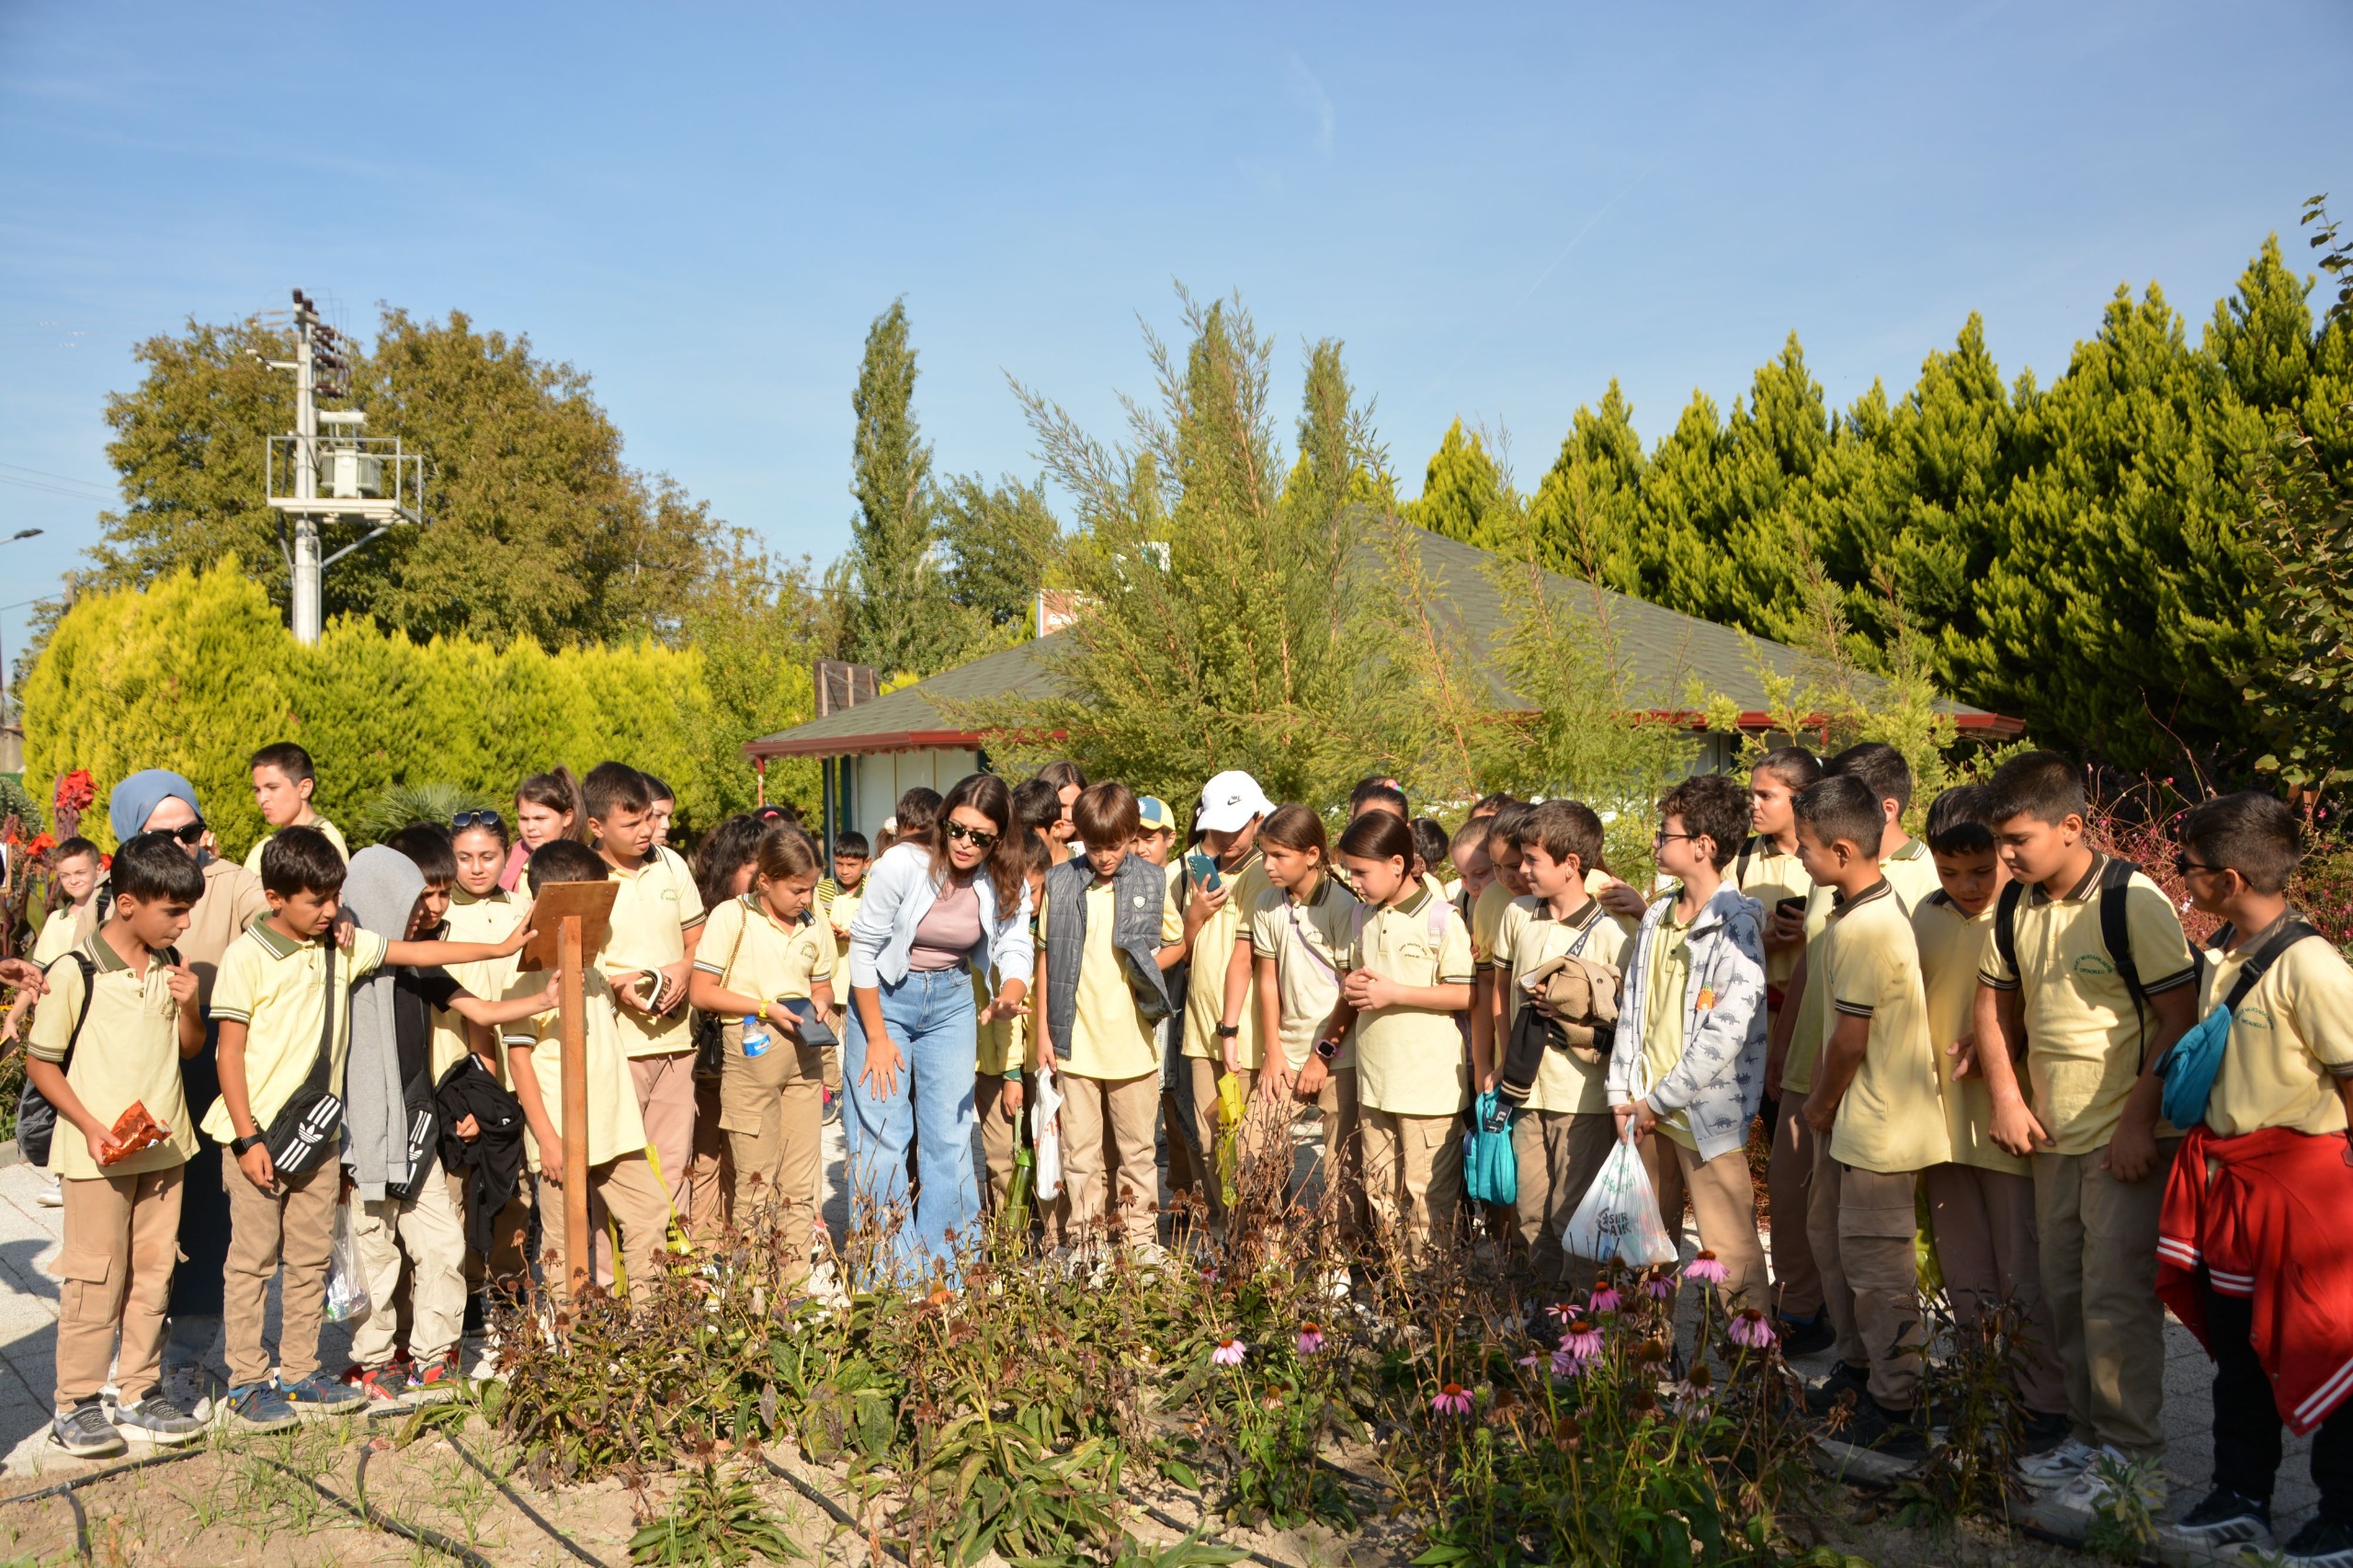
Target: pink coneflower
(1310,1338)
(1657,1285)
(1749,1327)
(1581,1339)
(1532,1360)
(1451,1400)
(1229,1353)
(1604,1298)
(1561,1312)
(1567,1363)
(1705,1269)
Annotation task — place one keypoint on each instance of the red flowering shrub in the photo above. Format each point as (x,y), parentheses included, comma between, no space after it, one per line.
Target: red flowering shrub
(2141,831)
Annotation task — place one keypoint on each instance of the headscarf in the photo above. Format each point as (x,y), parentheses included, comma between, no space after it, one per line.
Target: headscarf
(135,800)
(380,890)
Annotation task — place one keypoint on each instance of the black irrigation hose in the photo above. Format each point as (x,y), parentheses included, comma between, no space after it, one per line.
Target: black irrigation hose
(377,1517)
(562,1540)
(67,1489)
(841,1515)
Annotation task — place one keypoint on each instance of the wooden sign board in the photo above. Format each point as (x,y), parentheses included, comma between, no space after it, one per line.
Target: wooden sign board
(590,902)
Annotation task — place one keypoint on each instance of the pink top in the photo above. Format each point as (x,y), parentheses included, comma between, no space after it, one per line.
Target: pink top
(511,876)
(949,931)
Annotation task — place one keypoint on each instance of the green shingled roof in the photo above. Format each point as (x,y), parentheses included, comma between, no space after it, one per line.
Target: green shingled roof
(1664,649)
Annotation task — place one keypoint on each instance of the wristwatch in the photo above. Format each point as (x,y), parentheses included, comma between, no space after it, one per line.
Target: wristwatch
(1228,1031)
(1329,1050)
(240,1145)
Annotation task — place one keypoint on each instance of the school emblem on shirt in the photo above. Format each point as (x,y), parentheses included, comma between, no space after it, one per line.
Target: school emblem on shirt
(2254,1017)
(2094,963)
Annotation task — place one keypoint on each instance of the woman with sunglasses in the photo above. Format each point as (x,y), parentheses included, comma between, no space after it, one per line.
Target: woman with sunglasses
(940,906)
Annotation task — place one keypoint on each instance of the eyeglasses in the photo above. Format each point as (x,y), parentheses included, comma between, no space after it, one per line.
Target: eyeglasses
(191,833)
(491,819)
(1659,839)
(2183,865)
(978,837)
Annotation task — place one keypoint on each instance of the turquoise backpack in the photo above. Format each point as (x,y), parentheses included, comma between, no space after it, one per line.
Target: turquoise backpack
(1490,1174)
(2189,1068)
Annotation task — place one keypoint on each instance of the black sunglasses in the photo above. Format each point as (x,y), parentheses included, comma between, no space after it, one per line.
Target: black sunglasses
(2183,865)
(191,833)
(980,837)
(489,819)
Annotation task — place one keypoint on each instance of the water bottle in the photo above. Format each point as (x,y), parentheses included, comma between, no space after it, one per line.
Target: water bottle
(755,1036)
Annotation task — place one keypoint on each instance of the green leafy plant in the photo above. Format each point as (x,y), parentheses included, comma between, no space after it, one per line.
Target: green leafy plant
(716,1518)
(400,804)
(2124,1520)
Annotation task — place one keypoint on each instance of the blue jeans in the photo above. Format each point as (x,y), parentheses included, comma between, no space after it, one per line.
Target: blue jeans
(929,1017)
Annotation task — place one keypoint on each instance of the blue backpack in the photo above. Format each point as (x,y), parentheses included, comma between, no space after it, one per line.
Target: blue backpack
(1490,1173)
(2189,1068)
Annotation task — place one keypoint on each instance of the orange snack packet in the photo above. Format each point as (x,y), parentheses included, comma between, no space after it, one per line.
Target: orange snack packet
(133,1130)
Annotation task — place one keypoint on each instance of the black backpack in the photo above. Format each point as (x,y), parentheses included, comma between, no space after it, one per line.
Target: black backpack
(2115,932)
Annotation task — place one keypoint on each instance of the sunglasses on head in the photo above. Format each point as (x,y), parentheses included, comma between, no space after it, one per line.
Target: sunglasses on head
(192,832)
(979,837)
(489,819)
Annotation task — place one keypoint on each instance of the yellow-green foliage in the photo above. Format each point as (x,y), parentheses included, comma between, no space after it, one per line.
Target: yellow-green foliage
(197,672)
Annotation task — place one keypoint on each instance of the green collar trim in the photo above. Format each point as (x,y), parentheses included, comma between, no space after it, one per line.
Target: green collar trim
(275,945)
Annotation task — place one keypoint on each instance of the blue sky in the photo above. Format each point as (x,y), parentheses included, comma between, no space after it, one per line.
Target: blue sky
(1497,209)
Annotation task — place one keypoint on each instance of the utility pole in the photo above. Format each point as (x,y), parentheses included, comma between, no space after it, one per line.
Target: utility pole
(342,475)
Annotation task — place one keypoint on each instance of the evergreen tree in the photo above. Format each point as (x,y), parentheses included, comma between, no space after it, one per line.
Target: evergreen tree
(998,540)
(1463,494)
(899,622)
(1584,519)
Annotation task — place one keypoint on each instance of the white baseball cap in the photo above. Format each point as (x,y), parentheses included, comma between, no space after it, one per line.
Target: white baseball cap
(1229,801)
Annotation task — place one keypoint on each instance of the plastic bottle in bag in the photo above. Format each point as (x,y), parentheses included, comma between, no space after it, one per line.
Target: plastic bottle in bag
(346,1280)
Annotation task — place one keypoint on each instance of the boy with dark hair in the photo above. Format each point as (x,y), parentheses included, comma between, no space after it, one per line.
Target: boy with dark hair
(119,1015)
(2088,980)
(2255,1250)
(283,781)
(1981,1201)
(1561,1132)
(1038,809)
(838,896)
(663,801)
(1875,1105)
(285,1028)
(1111,929)
(1689,1062)
(622,1186)
(656,922)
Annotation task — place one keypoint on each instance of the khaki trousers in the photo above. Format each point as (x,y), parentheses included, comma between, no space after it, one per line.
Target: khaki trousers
(772,1108)
(1724,1202)
(623,1191)
(1000,1140)
(121,1240)
(1343,1150)
(711,1183)
(1863,1223)
(293,1227)
(1789,1177)
(428,1231)
(1107,1123)
(510,1232)
(665,1100)
(1558,1153)
(1983,1223)
(1413,1177)
(2098,1252)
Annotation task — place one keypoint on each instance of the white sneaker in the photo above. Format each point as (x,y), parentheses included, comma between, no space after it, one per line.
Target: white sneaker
(2057,1467)
(1335,1284)
(2104,1477)
(53,1193)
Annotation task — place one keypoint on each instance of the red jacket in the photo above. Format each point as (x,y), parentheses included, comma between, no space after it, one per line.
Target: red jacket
(2270,1216)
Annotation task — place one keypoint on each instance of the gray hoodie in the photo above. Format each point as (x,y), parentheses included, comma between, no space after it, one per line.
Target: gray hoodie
(380,890)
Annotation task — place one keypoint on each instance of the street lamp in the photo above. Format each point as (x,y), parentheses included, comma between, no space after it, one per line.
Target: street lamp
(21,533)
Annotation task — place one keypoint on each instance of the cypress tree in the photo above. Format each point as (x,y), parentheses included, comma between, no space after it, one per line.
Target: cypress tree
(899,620)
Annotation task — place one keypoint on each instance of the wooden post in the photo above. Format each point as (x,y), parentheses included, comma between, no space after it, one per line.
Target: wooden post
(576,1244)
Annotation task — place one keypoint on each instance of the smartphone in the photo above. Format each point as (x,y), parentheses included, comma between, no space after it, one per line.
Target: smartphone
(1204,869)
(1793,907)
(813,1027)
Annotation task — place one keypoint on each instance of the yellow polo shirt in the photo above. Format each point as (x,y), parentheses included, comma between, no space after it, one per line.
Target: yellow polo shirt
(2291,1040)
(55,938)
(1911,875)
(2083,1043)
(753,955)
(1108,1038)
(1891,1118)
(1309,943)
(657,905)
(1487,920)
(129,1051)
(1953,946)
(1412,1061)
(1212,951)
(1663,995)
(1528,937)
(1769,875)
(471,919)
(276,986)
(615,1128)
(334,836)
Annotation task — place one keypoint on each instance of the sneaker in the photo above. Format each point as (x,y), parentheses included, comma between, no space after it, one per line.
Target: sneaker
(384,1388)
(2224,1519)
(261,1407)
(159,1421)
(435,1382)
(1807,1336)
(2059,1464)
(193,1388)
(2090,1491)
(86,1433)
(52,1194)
(2322,1543)
(319,1394)
(1892,1434)
(1844,1379)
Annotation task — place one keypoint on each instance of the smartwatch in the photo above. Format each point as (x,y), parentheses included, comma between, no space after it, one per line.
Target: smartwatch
(1329,1050)
(240,1145)
(1229,1031)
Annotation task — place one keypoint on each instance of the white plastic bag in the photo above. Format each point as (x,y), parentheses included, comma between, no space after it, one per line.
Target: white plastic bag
(1619,1216)
(1046,1131)
(346,1280)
